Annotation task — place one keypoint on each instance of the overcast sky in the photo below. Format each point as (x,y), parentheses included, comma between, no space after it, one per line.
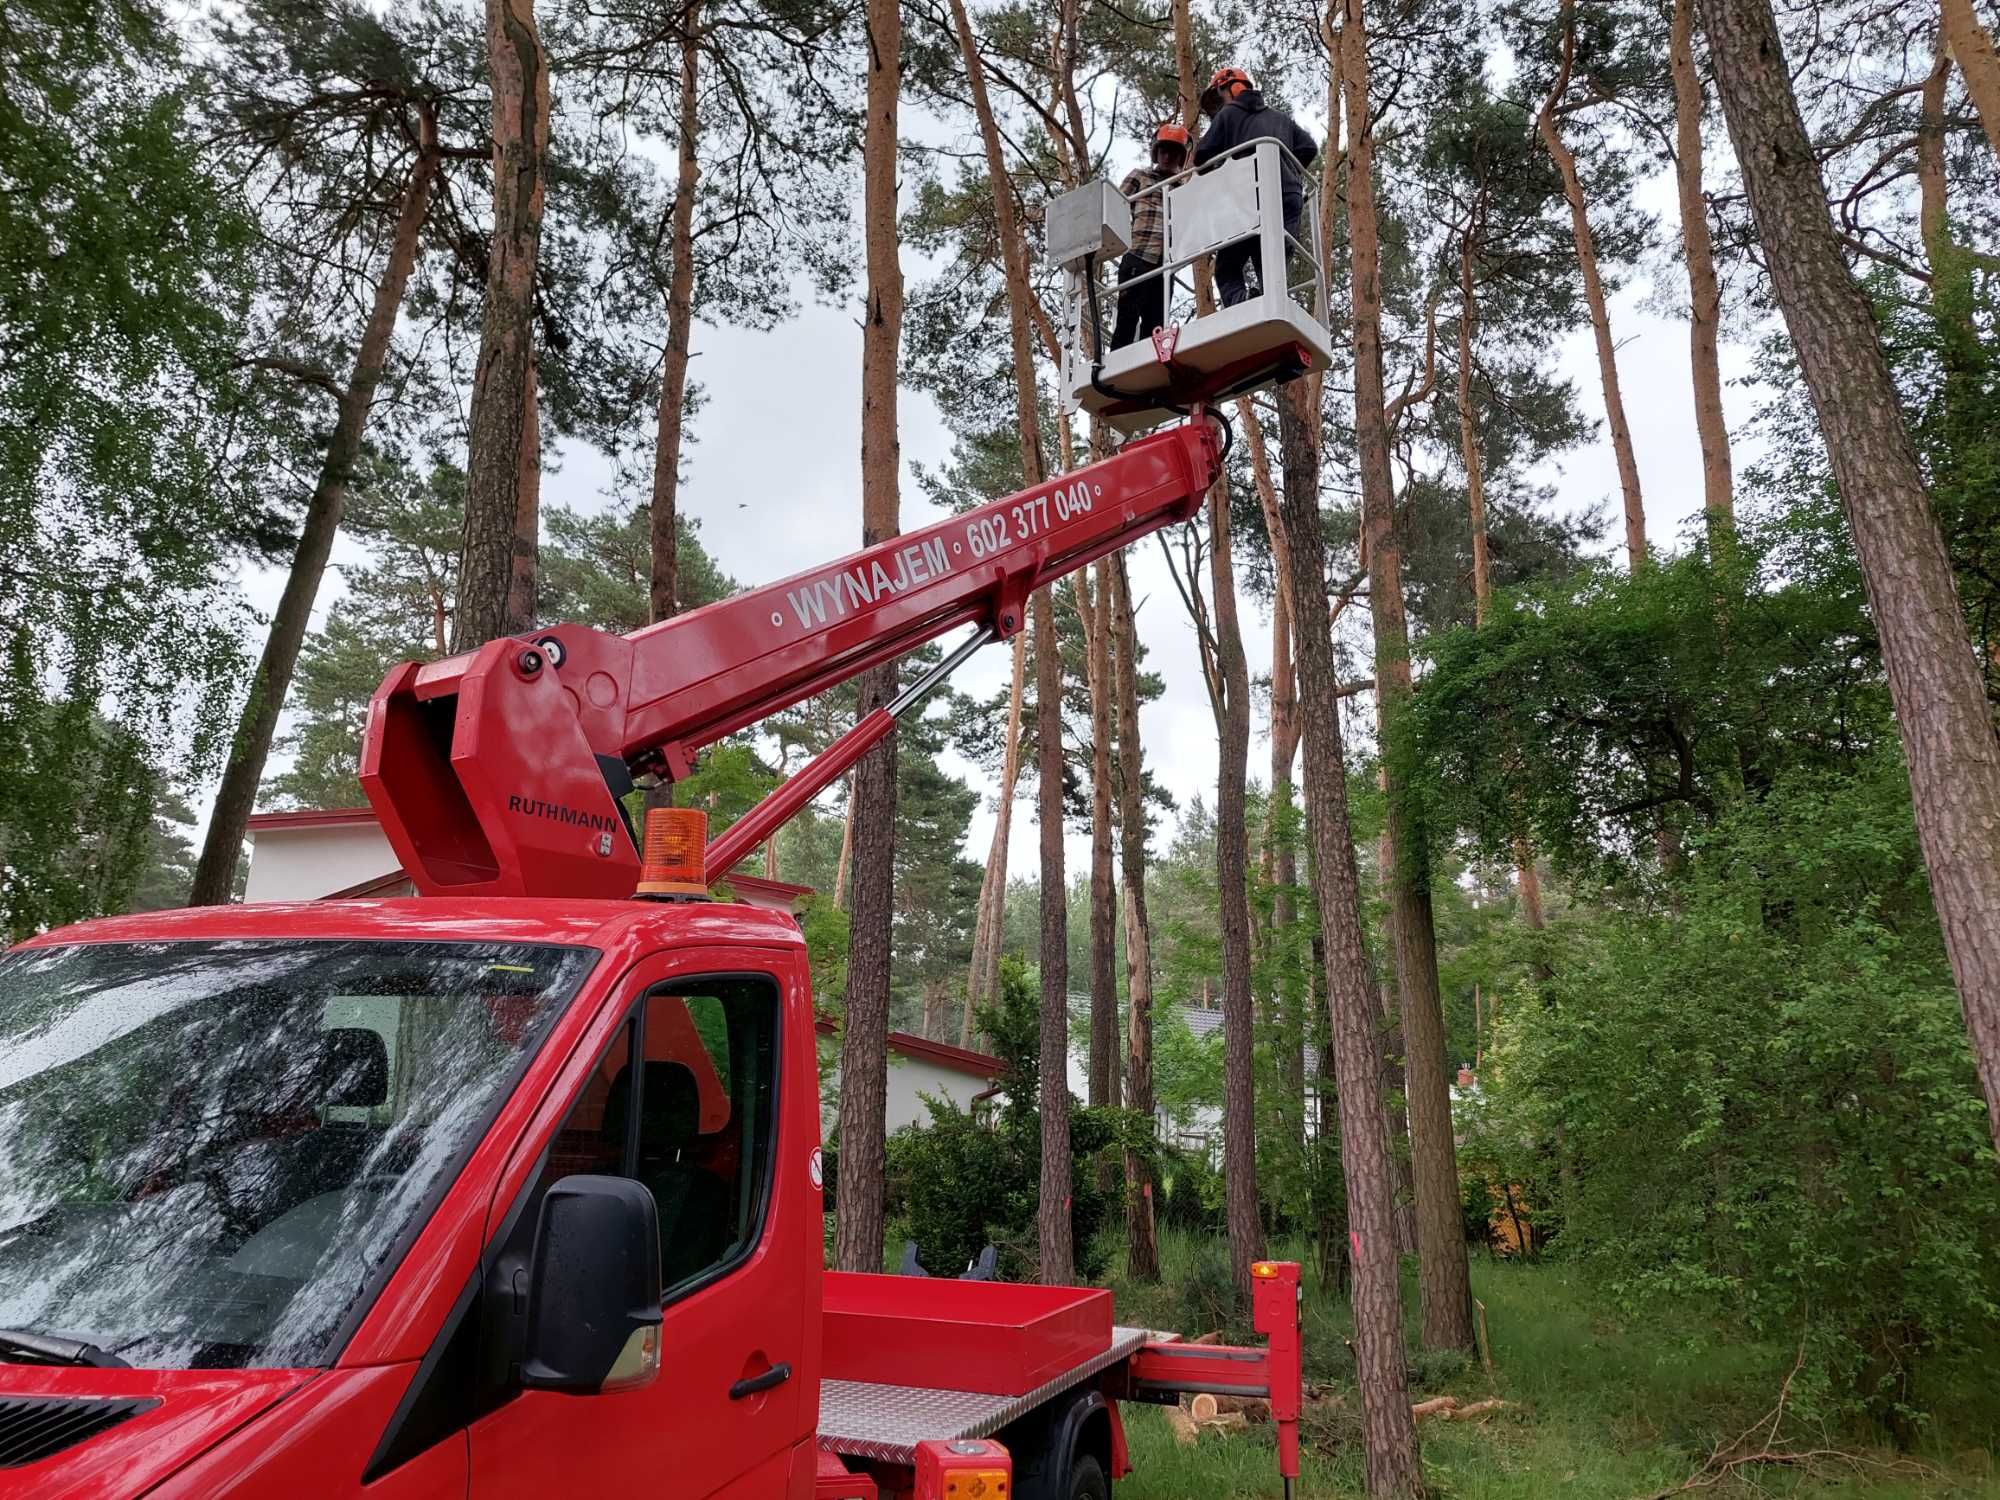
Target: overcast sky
(774,478)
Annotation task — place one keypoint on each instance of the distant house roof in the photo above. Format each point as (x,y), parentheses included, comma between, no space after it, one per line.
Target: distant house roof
(316,817)
(942,1054)
(1202,1020)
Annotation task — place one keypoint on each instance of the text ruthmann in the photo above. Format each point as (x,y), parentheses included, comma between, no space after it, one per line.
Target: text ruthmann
(534,808)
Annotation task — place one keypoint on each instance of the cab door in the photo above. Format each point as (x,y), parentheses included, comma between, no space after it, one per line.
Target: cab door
(687,1099)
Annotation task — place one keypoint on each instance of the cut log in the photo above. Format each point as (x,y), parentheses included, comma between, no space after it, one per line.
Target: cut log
(1182,1425)
(1476,1411)
(1251,1407)
(1204,1407)
(1436,1406)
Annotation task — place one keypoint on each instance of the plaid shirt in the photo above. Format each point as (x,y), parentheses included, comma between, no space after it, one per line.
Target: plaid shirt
(1149,213)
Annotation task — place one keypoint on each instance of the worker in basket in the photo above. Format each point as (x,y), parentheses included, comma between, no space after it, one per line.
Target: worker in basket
(1143,308)
(1237,113)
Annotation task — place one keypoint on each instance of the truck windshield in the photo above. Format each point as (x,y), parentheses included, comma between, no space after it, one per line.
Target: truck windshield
(208,1150)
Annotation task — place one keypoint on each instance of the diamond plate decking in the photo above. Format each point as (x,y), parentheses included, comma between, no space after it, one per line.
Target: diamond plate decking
(886,1422)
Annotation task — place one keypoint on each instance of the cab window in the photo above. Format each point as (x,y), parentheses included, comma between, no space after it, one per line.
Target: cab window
(684,1101)
(707,1122)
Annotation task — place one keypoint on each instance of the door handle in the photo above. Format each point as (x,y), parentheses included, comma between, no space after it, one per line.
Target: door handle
(754,1385)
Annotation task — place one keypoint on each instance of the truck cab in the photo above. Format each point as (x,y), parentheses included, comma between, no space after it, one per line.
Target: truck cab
(514,1189)
(325,1199)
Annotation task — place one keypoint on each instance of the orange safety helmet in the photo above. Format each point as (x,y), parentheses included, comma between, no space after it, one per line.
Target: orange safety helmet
(1171,134)
(1222,87)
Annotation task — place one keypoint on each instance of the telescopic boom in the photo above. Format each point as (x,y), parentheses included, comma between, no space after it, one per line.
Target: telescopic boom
(499,772)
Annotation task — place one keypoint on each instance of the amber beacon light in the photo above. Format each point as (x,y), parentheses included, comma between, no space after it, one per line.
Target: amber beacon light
(673,862)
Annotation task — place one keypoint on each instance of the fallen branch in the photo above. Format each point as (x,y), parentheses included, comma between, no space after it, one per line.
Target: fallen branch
(1436,1406)
(1476,1410)
(1718,1469)
(1748,1451)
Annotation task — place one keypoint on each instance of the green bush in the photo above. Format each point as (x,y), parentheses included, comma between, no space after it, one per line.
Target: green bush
(1193,1197)
(1766,1098)
(1208,1299)
(964,1185)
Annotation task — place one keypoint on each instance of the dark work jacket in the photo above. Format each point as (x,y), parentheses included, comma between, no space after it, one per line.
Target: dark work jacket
(1248,118)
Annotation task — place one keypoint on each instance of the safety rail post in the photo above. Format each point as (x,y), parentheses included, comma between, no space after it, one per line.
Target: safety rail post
(1163,1372)
(1275,1311)
(1273,255)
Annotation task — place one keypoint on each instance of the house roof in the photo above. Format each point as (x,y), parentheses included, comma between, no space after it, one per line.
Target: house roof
(942,1054)
(1202,1020)
(318,817)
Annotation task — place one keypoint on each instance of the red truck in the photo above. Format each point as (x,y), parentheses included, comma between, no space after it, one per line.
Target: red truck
(513,1189)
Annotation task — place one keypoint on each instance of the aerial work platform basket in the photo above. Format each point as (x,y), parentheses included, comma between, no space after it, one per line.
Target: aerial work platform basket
(1228,210)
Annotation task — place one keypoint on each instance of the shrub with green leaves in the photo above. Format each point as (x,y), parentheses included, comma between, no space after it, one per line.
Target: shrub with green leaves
(1766,1098)
(963,1184)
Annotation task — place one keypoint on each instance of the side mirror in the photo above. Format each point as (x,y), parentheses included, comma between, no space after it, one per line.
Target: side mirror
(594,1288)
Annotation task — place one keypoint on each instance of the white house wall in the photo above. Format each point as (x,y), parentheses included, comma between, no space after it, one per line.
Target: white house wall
(306,864)
(910,1078)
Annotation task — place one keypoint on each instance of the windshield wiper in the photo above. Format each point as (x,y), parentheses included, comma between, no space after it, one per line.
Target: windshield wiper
(42,1348)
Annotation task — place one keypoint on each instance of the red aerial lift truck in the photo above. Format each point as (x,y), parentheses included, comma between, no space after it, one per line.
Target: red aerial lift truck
(514,1189)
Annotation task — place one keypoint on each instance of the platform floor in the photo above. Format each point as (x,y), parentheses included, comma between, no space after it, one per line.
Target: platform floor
(886,1422)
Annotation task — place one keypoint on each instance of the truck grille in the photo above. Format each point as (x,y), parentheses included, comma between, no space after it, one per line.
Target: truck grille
(33,1428)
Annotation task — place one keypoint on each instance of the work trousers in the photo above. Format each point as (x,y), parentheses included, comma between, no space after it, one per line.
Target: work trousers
(1240,264)
(1141,308)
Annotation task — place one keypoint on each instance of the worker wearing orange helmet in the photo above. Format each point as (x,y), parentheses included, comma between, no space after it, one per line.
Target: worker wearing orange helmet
(1143,307)
(1237,113)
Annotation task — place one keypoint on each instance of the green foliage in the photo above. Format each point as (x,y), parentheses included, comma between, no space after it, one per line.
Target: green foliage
(400,602)
(1768,1095)
(963,1183)
(1192,1196)
(127,483)
(1593,710)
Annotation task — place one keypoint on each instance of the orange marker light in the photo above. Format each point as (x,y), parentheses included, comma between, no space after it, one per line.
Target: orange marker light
(674,861)
(1264,1270)
(976,1484)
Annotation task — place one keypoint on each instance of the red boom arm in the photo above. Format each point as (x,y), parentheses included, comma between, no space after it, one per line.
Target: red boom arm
(496,773)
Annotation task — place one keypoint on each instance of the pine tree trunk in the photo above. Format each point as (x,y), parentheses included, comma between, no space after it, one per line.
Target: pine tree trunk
(1972,49)
(1013,255)
(1941,707)
(1468,435)
(1057,1250)
(222,848)
(1389,1438)
(1593,291)
(1933,223)
(1232,873)
(983,979)
(844,866)
(1142,1248)
(680,325)
(1104,1048)
(1298,455)
(1052,1215)
(1530,880)
(1445,1275)
(525,565)
(1704,293)
(864,1037)
(500,446)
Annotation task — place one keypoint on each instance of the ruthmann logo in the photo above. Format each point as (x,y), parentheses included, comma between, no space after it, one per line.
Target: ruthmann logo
(556,812)
(864,583)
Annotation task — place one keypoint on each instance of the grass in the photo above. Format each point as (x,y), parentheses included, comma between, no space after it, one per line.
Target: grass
(1601,1407)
